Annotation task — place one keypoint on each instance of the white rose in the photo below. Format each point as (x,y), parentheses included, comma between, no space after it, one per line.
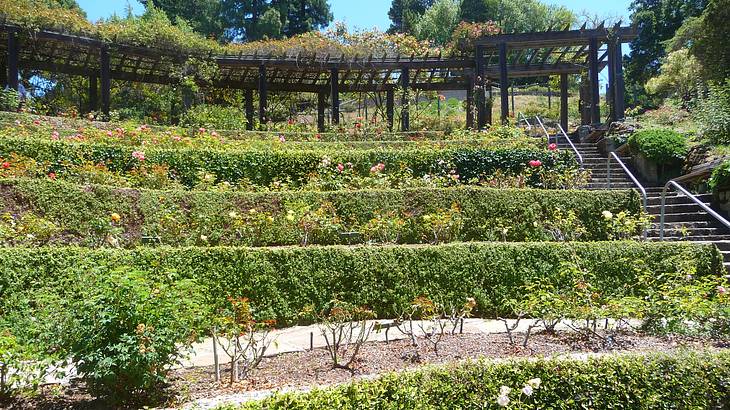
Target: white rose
(534,383)
(503,401)
(527,390)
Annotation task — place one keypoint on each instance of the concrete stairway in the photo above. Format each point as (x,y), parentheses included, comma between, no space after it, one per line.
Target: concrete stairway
(684,219)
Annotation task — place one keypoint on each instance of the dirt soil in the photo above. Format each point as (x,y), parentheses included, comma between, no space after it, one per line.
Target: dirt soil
(303,370)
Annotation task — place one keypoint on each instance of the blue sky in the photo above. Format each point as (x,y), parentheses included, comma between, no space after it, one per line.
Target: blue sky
(366,14)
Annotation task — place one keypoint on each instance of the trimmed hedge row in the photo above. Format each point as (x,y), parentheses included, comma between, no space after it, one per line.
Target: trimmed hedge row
(262,167)
(655,381)
(182,217)
(282,281)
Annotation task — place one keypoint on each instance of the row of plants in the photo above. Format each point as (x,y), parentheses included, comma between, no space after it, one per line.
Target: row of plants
(281,282)
(267,169)
(144,136)
(41,212)
(124,318)
(685,380)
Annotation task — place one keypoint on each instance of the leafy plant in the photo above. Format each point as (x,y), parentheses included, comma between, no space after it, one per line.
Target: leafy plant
(662,146)
(243,339)
(125,331)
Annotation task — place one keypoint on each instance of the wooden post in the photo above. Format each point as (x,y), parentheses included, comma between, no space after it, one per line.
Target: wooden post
(479,88)
(513,100)
(249,109)
(4,73)
(610,95)
(503,82)
(263,95)
(390,108)
(470,102)
(595,101)
(321,101)
(13,59)
(335,88)
(93,93)
(550,95)
(620,88)
(489,105)
(106,80)
(564,101)
(405,120)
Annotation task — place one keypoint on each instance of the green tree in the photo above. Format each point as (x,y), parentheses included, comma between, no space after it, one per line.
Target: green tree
(711,42)
(517,17)
(679,77)
(404,14)
(657,21)
(203,15)
(302,16)
(438,22)
(66,4)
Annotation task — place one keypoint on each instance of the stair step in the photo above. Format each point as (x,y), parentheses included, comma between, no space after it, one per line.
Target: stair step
(677,199)
(688,232)
(678,226)
(688,217)
(673,208)
(697,238)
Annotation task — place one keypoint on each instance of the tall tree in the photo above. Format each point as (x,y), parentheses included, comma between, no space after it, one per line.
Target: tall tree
(438,22)
(66,4)
(657,21)
(517,17)
(404,14)
(711,45)
(246,20)
(204,16)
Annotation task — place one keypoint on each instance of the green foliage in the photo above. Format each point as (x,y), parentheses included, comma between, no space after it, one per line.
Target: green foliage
(84,214)
(657,22)
(517,17)
(663,146)
(214,117)
(125,330)
(713,113)
(710,45)
(404,14)
(281,282)
(720,178)
(263,168)
(9,100)
(680,76)
(684,380)
(22,370)
(438,22)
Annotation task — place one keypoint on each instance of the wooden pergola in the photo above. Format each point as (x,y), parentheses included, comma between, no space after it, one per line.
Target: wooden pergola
(497,59)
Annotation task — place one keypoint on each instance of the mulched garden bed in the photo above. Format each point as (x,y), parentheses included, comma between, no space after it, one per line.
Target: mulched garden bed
(304,370)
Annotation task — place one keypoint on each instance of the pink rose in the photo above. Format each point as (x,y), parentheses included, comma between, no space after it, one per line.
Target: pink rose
(282,139)
(553,147)
(535,163)
(340,168)
(55,136)
(139,155)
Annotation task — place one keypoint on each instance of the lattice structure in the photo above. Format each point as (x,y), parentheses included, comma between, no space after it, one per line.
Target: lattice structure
(496,60)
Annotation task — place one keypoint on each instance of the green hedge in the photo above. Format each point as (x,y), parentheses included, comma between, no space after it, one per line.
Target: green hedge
(663,146)
(655,381)
(181,217)
(282,281)
(262,167)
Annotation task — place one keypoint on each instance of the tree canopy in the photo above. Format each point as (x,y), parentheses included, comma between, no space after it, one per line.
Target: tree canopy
(658,22)
(248,20)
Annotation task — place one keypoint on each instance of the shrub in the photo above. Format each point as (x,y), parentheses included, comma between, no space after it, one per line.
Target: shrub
(265,167)
(684,380)
(720,178)
(713,114)
(126,330)
(281,282)
(662,146)
(82,215)
(214,117)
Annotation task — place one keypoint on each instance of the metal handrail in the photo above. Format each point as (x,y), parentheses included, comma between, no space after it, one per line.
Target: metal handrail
(547,134)
(696,200)
(577,153)
(575,150)
(529,126)
(613,155)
